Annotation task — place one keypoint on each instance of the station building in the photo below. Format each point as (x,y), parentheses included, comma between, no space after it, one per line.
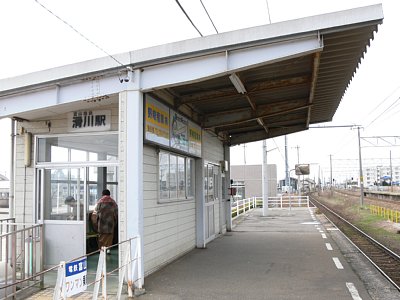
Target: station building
(156,128)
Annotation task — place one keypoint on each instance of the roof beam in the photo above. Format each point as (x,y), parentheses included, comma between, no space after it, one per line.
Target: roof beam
(244,116)
(314,78)
(262,135)
(215,95)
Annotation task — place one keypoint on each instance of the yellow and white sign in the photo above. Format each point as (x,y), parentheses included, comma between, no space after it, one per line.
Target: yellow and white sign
(156,122)
(194,139)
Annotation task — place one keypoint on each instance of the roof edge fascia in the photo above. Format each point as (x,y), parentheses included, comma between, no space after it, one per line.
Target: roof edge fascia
(341,20)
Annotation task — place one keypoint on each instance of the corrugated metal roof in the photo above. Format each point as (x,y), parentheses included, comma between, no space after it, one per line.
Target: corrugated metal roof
(288,95)
(283,95)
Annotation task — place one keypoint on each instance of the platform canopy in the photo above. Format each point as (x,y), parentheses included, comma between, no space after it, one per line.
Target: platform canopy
(245,85)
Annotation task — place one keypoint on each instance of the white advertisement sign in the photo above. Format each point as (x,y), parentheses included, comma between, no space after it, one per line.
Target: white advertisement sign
(179,132)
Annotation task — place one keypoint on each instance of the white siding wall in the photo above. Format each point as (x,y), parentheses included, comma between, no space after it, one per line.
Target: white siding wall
(169,228)
(24,177)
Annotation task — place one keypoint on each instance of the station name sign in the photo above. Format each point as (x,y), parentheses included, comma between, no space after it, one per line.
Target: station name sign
(166,127)
(89,120)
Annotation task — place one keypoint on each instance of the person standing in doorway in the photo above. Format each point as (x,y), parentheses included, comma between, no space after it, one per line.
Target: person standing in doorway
(106,214)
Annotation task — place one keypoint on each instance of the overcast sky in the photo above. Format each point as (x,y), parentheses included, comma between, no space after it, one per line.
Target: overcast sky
(33,39)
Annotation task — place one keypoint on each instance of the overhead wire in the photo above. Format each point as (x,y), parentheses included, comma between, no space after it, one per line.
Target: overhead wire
(340,148)
(187,16)
(383,101)
(381,114)
(279,149)
(209,16)
(78,32)
(394,113)
(269,15)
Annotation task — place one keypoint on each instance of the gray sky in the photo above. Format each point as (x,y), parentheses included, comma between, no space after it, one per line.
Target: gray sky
(33,39)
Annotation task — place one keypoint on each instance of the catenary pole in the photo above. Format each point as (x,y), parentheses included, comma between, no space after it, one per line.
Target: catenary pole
(361,172)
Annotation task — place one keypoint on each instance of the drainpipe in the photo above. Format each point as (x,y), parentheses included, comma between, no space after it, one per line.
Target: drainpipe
(11,201)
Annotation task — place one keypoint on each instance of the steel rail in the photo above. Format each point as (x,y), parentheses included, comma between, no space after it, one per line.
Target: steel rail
(365,235)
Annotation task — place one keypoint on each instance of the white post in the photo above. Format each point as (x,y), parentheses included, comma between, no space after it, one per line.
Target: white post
(59,290)
(139,257)
(104,278)
(237,208)
(99,273)
(131,163)
(264,180)
(229,198)
(200,204)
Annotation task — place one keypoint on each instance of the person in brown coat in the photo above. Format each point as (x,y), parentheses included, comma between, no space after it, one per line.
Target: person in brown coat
(106,212)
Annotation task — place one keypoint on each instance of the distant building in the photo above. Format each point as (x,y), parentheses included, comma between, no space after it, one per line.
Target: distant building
(381,175)
(292,183)
(248,180)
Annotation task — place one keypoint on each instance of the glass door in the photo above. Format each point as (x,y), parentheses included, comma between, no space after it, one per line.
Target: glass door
(67,197)
(62,210)
(211,197)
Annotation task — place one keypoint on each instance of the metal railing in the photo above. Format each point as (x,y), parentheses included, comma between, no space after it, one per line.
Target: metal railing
(240,207)
(21,262)
(21,257)
(386,213)
(284,201)
(131,271)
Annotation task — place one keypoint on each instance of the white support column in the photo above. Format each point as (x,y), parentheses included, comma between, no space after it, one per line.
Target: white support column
(228,214)
(265,180)
(131,164)
(200,207)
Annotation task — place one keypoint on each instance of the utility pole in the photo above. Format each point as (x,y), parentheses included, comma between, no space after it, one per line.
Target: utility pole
(265,180)
(287,178)
(298,176)
(330,162)
(361,172)
(391,173)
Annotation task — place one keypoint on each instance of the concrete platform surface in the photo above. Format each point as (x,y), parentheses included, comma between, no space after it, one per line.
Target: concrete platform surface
(285,255)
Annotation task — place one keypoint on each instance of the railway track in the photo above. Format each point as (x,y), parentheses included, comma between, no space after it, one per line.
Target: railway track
(384,259)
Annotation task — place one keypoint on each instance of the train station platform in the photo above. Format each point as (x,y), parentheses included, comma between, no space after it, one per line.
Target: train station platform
(286,255)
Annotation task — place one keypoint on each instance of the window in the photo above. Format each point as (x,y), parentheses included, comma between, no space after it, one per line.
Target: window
(78,148)
(176,176)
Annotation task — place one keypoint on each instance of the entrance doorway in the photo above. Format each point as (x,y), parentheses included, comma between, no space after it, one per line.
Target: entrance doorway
(67,197)
(71,173)
(212,184)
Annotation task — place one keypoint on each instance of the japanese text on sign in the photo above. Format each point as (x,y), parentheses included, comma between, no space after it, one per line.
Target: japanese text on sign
(91,120)
(75,277)
(157,116)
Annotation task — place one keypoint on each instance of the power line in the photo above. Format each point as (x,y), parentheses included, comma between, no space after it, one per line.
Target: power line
(279,149)
(269,16)
(383,112)
(383,101)
(209,16)
(81,34)
(180,6)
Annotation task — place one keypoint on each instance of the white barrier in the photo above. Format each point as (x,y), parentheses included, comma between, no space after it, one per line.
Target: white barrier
(240,207)
(129,264)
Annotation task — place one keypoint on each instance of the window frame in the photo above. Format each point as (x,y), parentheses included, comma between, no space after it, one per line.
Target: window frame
(177,192)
